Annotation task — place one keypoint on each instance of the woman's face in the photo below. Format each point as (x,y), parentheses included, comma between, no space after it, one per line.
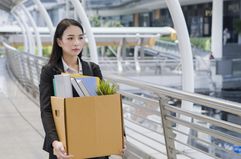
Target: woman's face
(72,41)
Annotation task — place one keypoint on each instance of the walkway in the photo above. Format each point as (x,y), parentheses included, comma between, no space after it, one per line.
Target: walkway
(21,130)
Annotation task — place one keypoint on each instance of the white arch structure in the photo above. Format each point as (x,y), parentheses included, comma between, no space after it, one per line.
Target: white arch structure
(46,17)
(180,26)
(29,37)
(182,35)
(37,35)
(25,39)
(186,56)
(91,40)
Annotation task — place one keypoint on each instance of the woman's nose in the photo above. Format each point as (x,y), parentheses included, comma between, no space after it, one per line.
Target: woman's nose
(76,41)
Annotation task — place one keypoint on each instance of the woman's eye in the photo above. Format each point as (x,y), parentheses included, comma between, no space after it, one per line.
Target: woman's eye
(80,37)
(70,38)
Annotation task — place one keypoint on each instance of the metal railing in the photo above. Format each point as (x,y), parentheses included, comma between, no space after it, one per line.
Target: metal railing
(155,123)
(172,48)
(166,46)
(148,66)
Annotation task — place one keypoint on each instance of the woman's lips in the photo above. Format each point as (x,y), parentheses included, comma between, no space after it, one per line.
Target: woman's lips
(76,50)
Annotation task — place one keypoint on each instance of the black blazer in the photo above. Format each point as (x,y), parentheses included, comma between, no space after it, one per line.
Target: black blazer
(46,91)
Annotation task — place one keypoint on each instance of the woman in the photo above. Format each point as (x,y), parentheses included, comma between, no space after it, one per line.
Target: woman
(65,57)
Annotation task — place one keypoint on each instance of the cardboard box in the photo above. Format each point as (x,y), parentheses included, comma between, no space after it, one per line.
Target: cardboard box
(89,126)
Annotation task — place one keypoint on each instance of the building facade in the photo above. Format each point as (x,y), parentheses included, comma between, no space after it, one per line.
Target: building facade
(198,18)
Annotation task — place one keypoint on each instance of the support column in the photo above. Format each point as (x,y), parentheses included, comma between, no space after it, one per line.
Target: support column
(186,59)
(184,45)
(137,47)
(119,57)
(136,19)
(217,29)
(142,47)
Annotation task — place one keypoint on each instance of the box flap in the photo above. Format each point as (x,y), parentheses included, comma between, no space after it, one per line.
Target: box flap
(59,117)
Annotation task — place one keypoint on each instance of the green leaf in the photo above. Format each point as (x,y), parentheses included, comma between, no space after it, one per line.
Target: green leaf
(106,88)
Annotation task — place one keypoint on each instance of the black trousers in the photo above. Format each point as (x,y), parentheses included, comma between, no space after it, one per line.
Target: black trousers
(52,156)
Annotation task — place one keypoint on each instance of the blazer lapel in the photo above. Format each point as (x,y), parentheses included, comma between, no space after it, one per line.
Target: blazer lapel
(85,68)
(59,67)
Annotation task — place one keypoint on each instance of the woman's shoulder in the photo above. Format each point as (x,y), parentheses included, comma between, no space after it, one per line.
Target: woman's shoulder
(51,69)
(47,70)
(47,66)
(92,64)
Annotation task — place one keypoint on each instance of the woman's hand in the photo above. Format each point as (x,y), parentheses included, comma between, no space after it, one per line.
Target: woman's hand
(59,151)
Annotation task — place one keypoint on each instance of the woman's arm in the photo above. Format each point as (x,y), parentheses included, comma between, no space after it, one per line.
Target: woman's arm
(96,70)
(46,91)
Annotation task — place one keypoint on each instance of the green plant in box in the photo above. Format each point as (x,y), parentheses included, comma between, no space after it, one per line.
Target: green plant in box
(106,88)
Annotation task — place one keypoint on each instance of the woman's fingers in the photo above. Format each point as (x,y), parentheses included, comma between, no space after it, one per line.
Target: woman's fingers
(59,151)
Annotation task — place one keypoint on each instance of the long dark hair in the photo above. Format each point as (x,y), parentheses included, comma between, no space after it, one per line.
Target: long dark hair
(57,52)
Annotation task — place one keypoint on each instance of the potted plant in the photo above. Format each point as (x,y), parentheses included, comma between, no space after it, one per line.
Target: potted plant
(106,88)
(237,28)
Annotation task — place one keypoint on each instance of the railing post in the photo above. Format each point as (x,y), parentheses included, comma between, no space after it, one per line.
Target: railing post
(38,71)
(30,82)
(168,134)
(22,71)
(118,56)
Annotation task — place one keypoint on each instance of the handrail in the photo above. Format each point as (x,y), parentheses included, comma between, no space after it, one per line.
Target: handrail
(212,102)
(151,116)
